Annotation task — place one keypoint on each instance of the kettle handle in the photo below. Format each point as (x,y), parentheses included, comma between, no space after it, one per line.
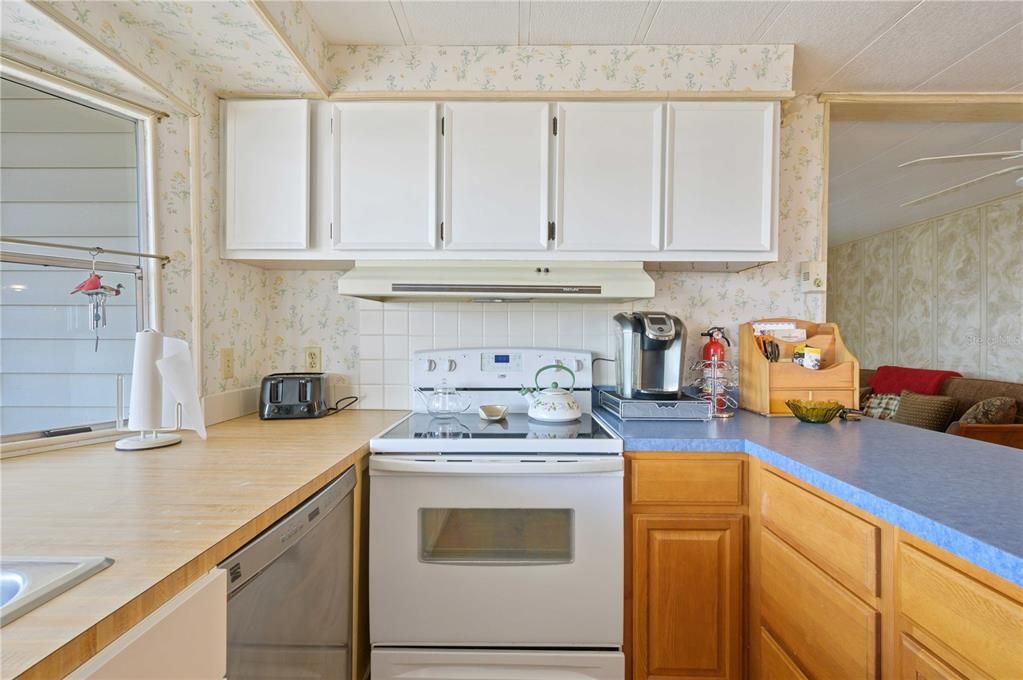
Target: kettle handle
(556,367)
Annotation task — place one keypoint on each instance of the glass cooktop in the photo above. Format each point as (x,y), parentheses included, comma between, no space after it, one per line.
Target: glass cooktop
(513,426)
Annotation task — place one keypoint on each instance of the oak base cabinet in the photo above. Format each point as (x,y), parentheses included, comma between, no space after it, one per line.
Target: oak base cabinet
(687,583)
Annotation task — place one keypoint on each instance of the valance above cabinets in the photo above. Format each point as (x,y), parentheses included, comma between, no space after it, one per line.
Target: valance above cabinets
(321,184)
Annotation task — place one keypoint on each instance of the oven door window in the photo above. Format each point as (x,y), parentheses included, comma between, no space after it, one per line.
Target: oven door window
(496,535)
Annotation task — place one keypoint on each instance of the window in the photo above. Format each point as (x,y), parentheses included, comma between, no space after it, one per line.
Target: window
(70,176)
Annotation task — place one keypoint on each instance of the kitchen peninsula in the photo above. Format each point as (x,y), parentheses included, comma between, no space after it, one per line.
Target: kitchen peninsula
(852,549)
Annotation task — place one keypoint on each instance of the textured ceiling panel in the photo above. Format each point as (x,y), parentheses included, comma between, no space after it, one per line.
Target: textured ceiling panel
(356,23)
(828,34)
(996,66)
(709,23)
(462,23)
(866,186)
(584,23)
(929,39)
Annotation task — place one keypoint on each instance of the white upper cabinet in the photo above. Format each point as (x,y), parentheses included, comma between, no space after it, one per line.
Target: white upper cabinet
(610,159)
(385,170)
(266,175)
(720,180)
(495,176)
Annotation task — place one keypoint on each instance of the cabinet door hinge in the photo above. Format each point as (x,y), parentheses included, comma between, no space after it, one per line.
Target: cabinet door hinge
(550,231)
(555,126)
(442,126)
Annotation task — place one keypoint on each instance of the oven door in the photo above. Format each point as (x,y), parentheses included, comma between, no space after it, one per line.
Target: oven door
(496,551)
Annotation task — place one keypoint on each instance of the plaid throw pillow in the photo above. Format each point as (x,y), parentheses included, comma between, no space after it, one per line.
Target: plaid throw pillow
(881,406)
(931,412)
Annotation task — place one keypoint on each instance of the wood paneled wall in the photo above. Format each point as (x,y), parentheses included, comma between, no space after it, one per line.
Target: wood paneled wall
(943,293)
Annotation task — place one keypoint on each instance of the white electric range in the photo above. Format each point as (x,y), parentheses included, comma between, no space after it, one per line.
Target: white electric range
(496,548)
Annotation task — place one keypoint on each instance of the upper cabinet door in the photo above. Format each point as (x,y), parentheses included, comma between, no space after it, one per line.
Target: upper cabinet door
(721,183)
(385,176)
(610,157)
(266,183)
(495,175)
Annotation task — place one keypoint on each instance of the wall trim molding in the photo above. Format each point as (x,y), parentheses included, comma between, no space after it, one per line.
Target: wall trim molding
(998,107)
(561,95)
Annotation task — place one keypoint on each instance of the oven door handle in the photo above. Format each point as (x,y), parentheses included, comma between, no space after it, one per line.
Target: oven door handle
(608,466)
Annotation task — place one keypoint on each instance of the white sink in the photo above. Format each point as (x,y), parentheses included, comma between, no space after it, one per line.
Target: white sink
(28,582)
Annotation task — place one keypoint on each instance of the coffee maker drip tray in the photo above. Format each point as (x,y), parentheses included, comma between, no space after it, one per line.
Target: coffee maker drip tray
(686,408)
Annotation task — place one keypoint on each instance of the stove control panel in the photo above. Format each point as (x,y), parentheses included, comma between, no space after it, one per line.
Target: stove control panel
(498,368)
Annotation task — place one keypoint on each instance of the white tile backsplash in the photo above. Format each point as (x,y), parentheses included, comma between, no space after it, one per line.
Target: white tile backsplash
(397,330)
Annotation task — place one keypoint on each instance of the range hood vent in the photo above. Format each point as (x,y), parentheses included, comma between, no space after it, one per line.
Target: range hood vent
(497,281)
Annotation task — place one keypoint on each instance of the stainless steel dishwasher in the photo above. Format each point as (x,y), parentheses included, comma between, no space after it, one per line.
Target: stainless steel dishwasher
(289,600)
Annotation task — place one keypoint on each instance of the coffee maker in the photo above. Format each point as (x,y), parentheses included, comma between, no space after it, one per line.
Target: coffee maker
(651,355)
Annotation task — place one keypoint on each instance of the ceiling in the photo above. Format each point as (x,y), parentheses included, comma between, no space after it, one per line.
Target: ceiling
(866,187)
(840,46)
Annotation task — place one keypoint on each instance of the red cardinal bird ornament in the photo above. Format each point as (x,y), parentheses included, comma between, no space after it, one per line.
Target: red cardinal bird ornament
(91,283)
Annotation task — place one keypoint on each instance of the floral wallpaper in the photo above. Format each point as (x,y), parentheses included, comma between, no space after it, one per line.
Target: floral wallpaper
(140,49)
(29,36)
(943,293)
(226,43)
(701,68)
(291,18)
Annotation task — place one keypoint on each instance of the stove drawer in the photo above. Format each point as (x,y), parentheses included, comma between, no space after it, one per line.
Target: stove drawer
(444,664)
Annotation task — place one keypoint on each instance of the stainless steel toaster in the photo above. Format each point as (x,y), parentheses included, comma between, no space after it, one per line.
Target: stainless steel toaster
(294,395)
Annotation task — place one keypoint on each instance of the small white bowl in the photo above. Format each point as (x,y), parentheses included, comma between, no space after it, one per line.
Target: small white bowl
(492,412)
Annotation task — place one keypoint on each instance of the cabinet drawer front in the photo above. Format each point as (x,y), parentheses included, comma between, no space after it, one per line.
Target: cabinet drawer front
(916,663)
(844,545)
(687,482)
(793,376)
(982,625)
(830,632)
(775,664)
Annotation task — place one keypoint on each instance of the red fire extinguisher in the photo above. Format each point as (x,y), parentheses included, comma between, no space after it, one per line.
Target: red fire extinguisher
(713,363)
(714,350)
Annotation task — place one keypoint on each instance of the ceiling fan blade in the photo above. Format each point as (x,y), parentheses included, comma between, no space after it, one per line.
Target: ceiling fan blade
(1003,171)
(1013,153)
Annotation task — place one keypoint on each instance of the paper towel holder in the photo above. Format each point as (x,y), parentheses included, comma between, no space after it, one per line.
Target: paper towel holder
(145,439)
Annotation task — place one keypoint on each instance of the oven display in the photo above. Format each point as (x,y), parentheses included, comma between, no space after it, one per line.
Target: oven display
(502,358)
(501,363)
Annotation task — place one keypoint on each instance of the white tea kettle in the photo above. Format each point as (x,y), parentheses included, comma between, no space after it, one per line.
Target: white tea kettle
(553,404)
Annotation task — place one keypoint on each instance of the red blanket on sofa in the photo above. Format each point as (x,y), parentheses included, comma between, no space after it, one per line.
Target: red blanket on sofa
(894,379)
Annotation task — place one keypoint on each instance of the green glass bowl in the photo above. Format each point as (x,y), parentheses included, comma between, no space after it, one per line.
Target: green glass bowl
(814,411)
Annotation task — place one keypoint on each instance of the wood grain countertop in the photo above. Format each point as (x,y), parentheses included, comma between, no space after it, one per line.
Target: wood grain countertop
(166,517)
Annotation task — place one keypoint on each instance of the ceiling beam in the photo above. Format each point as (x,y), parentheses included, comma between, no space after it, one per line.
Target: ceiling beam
(952,107)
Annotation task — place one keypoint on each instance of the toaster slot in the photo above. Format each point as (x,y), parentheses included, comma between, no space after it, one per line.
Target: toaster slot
(276,388)
(305,391)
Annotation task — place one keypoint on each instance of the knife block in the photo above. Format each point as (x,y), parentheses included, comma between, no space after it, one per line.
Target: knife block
(764,387)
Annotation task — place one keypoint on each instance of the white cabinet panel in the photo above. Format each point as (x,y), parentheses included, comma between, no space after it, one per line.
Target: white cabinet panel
(610,158)
(495,175)
(185,638)
(385,175)
(721,176)
(266,159)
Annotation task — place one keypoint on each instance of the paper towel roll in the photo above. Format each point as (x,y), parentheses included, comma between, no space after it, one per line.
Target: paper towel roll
(145,408)
(162,377)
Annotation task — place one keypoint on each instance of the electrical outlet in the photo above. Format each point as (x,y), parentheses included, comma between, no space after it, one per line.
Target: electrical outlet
(227,363)
(313,359)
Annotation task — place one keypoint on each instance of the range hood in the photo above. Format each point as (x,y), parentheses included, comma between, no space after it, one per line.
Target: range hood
(497,281)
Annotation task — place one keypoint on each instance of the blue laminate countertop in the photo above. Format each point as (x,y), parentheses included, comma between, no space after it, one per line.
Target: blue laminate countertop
(960,494)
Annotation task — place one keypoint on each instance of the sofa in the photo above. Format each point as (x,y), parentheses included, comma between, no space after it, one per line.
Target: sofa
(967,392)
